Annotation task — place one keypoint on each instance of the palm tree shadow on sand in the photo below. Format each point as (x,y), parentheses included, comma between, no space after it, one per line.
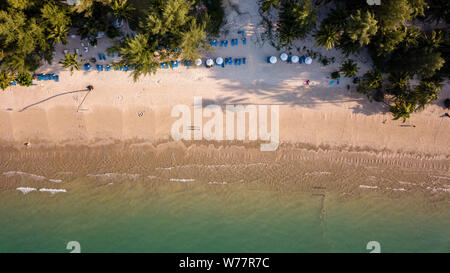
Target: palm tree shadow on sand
(88,89)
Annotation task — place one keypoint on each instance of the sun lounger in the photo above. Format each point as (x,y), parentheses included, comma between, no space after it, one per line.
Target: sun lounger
(244,41)
(39,77)
(13,83)
(174,64)
(108,68)
(213,42)
(87,66)
(98,67)
(104,57)
(56,78)
(241,32)
(244,60)
(225,44)
(125,68)
(222,43)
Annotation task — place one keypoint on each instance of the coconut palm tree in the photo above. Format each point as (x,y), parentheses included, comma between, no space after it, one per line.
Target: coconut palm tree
(402,109)
(349,68)
(59,34)
(71,61)
(122,11)
(327,36)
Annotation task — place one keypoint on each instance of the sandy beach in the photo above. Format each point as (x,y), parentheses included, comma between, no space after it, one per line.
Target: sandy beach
(119,109)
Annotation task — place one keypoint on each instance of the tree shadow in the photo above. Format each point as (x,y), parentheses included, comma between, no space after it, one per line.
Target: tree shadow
(52,97)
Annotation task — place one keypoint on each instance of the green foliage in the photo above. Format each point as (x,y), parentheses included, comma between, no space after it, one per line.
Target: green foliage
(121,9)
(427,92)
(362,27)
(5,79)
(393,14)
(71,61)
(327,36)
(24,79)
(371,81)
(349,68)
(168,31)
(335,75)
(214,16)
(402,109)
(267,5)
(297,18)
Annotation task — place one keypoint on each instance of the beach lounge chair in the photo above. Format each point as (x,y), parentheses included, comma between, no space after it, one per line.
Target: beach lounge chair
(222,43)
(13,83)
(225,43)
(213,42)
(332,83)
(87,66)
(39,77)
(241,32)
(56,78)
(108,68)
(174,64)
(98,67)
(125,68)
(236,61)
(244,60)
(244,41)
(99,56)
(104,57)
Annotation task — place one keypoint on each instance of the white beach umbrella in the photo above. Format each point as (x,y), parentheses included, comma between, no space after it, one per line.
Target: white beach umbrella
(308,60)
(295,59)
(273,60)
(283,57)
(219,61)
(209,62)
(198,62)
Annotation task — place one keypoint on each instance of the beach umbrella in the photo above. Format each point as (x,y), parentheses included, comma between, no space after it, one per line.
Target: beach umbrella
(283,57)
(295,59)
(209,62)
(308,60)
(219,61)
(273,60)
(198,62)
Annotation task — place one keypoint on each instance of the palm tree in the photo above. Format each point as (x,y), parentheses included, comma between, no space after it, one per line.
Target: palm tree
(402,109)
(71,61)
(59,34)
(122,11)
(327,36)
(349,68)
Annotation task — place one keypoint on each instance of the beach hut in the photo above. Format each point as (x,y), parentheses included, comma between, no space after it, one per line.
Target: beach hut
(308,60)
(283,57)
(209,62)
(295,59)
(272,60)
(219,61)
(198,62)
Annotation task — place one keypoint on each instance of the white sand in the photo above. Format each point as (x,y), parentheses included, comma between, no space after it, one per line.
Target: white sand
(120,109)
